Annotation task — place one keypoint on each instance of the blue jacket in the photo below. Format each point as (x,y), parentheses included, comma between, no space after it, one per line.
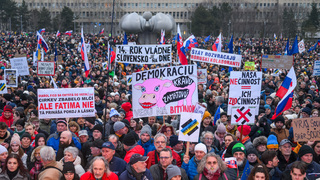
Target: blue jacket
(313,171)
(54,139)
(148,146)
(117,165)
(127,174)
(191,168)
(275,174)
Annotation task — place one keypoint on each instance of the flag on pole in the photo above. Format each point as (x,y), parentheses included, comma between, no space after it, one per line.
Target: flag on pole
(190,42)
(101,31)
(230,45)
(54,83)
(216,116)
(275,36)
(58,33)
(84,54)
(286,50)
(207,39)
(314,47)
(69,33)
(295,48)
(55,52)
(112,54)
(162,40)
(42,42)
(301,46)
(125,39)
(180,49)
(217,44)
(43,30)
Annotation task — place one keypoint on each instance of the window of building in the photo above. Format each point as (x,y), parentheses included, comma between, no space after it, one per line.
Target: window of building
(178,15)
(173,14)
(144,5)
(174,5)
(136,4)
(147,5)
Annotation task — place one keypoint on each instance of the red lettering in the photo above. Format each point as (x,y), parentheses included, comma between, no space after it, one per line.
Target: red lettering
(233,81)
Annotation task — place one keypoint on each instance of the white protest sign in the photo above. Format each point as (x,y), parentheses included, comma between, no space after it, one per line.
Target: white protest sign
(88,47)
(199,109)
(214,57)
(164,91)
(45,68)
(66,103)
(11,77)
(144,54)
(189,127)
(3,87)
(35,59)
(316,68)
(202,76)
(21,64)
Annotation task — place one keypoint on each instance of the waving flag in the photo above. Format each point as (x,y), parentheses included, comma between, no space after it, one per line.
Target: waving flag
(286,50)
(216,116)
(315,46)
(162,40)
(190,43)
(101,31)
(285,92)
(42,42)
(58,33)
(43,30)
(54,83)
(69,33)
(180,48)
(112,55)
(301,46)
(230,45)
(217,44)
(207,39)
(231,162)
(275,36)
(125,39)
(84,54)
(295,48)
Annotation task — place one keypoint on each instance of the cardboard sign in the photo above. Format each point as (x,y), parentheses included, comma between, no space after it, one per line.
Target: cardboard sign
(3,87)
(244,96)
(202,76)
(213,57)
(249,66)
(316,68)
(144,54)
(11,77)
(164,91)
(45,68)
(277,61)
(21,64)
(306,129)
(189,127)
(66,103)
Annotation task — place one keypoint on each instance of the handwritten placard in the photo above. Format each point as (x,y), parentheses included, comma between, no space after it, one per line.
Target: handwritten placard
(306,129)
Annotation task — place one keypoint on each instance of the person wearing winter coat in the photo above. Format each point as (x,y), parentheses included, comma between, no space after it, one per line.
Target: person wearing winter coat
(99,169)
(136,169)
(7,116)
(191,165)
(270,159)
(116,165)
(14,169)
(260,144)
(71,155)
(52,170)
(131,146)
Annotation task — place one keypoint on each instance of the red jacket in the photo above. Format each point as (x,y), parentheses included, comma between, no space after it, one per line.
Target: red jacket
(90,176)
(137,149)
(151,160)
(7,121)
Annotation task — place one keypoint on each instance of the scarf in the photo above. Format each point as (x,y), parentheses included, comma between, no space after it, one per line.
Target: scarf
(245,139)
(209,176)
(221,140)
(12,174)
(34,172)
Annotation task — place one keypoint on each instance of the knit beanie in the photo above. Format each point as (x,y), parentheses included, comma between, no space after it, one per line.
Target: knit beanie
(245,131)
(15,139)
(98,127)
(221,128)
(129,139)
(68,167)
(118,125)
(307,110)
(279,118)
(26,134)
(272,142)
(114,112)
(3,149)
(7,108)
(173,140)
(239,147)
(146,129)
(200,147)
(126,106)
(206,114)
(91,120)
(252,151)
(305,149)
(172,171)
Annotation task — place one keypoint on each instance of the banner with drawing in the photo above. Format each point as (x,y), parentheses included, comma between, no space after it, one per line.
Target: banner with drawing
(144,54)
(202,76)
(11,77)
(164,91)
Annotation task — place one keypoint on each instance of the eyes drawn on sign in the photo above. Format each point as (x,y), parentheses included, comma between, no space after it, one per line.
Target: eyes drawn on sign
(243,115)
(189,127)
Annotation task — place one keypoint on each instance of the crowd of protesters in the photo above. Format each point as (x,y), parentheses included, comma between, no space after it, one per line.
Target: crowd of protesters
(114,145)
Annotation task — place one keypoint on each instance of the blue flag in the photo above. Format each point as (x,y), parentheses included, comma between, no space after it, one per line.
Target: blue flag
(230,46)
(239,51)
(207,39)
(314,47)
(246,171)
(295,48)
(216,116)
(286,50)
(230,69)
(125,40)
(55,52)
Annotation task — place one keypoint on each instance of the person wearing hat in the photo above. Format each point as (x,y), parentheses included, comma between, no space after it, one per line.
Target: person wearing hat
(285,154)
(279,129)
(20,127)
(69,172)
(99,105)
(127,108)
(130,145)
(99,169)
(173,173)
(305,155)
(272,143)
(253,157)
(7,116)
(239,152)
(191,165)
(120,129)
(83,136)
(270,159)
(3,155)
(306,112)
(23,101)
(114,117)
(26,143)
(15,148)
(145,139)
(71,154)
(260,144)
(245,131)
(90,123)
(136,169)
(206,121)
(116,165)
(177,146)
(316,103)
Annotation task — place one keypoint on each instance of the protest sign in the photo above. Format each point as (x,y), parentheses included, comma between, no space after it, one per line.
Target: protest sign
(316,68)
(144,54)
(214,57)
(164,91)
(3,87)
(277,61)
(129,79)
(35,59)
(105,65)
(88,47)
(306,129)
(244,96)
(189,127)
(249,66)
(66,103)
(45,68)
(202,76)
(21,64)
(11,77)
(200,109)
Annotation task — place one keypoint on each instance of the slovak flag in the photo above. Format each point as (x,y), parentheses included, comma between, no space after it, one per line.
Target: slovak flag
(285,92)
(162,41)
(112,55)
(231,162)
(180,48)
(42,42)
(43,30)
(84,54)
(58,33)
(101,31)
(217,44)
(69,33)
(190,43)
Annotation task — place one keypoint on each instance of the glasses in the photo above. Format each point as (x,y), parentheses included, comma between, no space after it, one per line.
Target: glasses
(165,157)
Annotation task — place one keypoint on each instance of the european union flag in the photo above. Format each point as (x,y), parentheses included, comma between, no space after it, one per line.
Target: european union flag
(207,39)
(295,48)
(286,50)
(246,171)
(216,116)
(230,46)
(125,40)
(315,46)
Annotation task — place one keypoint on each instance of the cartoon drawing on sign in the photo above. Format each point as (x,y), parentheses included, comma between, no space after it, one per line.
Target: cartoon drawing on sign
(157,92)
(11,77)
